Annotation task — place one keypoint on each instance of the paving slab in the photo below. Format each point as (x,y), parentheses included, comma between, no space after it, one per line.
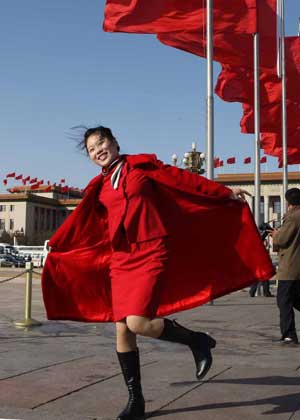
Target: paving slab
(69,371)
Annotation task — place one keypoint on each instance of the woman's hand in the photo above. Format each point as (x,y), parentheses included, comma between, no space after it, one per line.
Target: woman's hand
(239,194)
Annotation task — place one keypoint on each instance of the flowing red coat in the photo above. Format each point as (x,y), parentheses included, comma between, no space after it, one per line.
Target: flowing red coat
(215,247)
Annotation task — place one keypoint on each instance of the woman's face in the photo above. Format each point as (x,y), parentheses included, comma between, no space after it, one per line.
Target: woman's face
(101,151)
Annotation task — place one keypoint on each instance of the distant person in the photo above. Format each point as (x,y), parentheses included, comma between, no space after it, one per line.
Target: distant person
(265,286)
(142,244)
(287,240)
(264,230)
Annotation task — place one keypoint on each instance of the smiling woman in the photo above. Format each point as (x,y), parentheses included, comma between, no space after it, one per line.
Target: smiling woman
(100,144)
(123,254)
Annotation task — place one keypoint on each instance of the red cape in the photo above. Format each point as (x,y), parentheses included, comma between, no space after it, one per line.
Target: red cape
(215,248)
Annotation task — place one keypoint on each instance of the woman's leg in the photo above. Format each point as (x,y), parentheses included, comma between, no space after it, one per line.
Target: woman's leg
(164,329)
(126,340)
(128,356)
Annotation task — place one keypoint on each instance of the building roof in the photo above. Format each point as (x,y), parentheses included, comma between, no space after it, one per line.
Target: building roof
(249,177)
(71,193)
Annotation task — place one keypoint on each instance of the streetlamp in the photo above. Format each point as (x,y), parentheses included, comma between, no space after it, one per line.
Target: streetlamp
(192,160)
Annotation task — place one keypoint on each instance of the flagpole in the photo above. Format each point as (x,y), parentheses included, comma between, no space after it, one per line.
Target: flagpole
(298,26)
(210,94)
(284,116)
(257,191)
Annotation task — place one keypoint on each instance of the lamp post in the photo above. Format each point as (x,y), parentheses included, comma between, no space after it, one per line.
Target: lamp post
(193,160)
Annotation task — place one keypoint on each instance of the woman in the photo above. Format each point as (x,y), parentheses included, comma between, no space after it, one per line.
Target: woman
(122,255)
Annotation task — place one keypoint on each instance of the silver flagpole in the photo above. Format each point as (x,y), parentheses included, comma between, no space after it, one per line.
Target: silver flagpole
(298,26)
(282,75)
(210,93)
(257,192)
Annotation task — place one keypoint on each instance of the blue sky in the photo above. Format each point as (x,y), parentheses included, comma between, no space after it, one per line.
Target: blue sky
(60,70)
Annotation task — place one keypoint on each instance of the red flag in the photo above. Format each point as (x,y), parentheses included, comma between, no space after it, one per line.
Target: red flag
(35,186)
(263,159)
(65,189)
(270,117)
(247,160)
(41,182)
(5,181)
(27,178)
(228,47)
(24,181)
(33,180)
(221,163)
(48,182)
(230,160)
(11,175)
(19,177)
(216,162)
(271,143)
(48,189)
(63,180)
(157,16)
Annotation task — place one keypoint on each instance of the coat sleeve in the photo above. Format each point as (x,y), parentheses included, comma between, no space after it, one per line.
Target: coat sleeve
(286,234)
(192,182)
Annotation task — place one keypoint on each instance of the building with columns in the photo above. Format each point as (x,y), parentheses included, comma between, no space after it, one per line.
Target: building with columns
(31,217)
(271,190)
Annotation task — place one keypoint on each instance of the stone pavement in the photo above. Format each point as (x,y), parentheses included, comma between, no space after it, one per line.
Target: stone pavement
(68,370)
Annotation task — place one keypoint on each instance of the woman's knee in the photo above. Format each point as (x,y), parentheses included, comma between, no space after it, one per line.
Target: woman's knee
(138,325)
(121,328)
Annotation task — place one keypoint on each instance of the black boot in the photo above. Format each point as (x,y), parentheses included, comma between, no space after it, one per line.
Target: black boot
(130,365)
(199,342)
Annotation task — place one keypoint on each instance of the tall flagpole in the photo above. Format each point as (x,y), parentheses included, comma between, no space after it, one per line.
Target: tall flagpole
(298,26)
(282,75)
(210,93)
(257,189)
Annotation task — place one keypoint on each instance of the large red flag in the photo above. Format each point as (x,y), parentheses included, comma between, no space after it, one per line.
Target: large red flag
(229,48)
(161,16)
(270,117)
(272,145)
(235,84)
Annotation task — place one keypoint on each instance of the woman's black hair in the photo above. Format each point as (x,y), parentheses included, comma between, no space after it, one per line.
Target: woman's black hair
(104,132)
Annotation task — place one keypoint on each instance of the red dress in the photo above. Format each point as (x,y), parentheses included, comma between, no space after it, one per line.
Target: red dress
(140,255)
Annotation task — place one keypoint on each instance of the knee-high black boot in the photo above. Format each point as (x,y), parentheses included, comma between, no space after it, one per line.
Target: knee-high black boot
(130,365)
(199,343)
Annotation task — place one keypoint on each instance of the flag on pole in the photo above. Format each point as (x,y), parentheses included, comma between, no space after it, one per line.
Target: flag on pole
(11,175)
(33,180)
(19,177)
(5,181)
(35,186)
(247,160)
(263,159)
(157,16)
(230,160)
(216,162)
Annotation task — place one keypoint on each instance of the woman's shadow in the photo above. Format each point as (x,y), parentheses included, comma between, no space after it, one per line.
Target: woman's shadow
(282,403)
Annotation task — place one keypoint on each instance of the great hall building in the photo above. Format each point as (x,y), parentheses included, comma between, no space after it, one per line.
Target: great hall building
(31,217)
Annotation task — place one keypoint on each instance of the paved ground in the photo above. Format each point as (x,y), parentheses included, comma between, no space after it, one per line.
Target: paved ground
(68,370)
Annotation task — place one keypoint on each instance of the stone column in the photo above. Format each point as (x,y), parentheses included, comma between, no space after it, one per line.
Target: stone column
(266,208)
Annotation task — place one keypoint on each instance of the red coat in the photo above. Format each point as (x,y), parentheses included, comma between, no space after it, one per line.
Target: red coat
(212,239)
